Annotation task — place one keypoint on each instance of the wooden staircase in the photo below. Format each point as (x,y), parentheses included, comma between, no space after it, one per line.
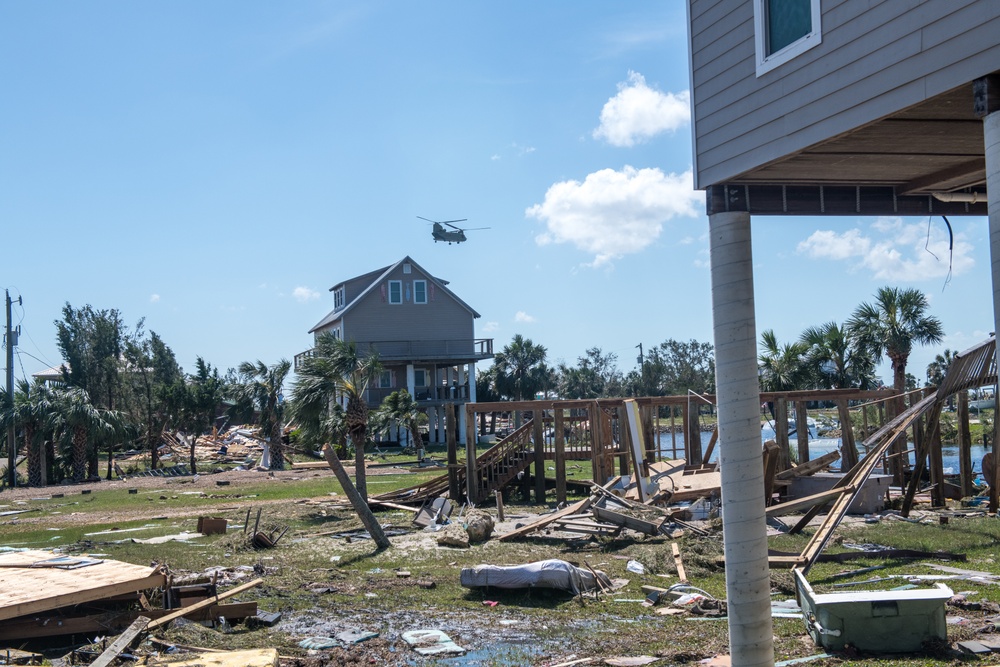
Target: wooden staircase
(497,467)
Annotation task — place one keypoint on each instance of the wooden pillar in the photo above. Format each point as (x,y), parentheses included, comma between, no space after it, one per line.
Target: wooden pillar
(802,430)
(673,432)
(538,436)
(451,436)
(933,438)
(649,433)
(964,441)
(864,422)
(848,450)
(596,443)
(607,443)
(471,469)
(781,433)
(692,434)
(560,447)
(624,441)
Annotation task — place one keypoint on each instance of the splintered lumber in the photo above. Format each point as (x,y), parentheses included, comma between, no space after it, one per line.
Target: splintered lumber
(32,590)
(575,508)
(619,519)
(121,643)
(809,467)
(681,482)
(805,502)
(186,611)
(678,563)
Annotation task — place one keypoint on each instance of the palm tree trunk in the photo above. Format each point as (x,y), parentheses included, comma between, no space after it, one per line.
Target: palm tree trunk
(277,448)
(79,453)
(359,504)
(360,474)
(34,457)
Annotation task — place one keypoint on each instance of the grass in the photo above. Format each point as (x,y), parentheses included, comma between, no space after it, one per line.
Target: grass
(360,587)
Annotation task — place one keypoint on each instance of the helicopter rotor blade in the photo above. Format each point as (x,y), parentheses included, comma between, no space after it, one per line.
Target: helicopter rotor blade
(441,222)
(472,229)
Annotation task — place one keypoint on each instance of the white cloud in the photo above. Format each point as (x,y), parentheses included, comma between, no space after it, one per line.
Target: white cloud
(615,213)
(489,327)
(304,294)
(639,112)
(893,250)
(154,298)
(522,316)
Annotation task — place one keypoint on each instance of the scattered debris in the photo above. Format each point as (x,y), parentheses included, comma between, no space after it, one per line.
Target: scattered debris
(552,573)
(432,642)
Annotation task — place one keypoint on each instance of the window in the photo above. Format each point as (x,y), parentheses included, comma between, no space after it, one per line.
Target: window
(419,291)
(338,299)
(395,291)
(385,380)
(419,378)
(784,29)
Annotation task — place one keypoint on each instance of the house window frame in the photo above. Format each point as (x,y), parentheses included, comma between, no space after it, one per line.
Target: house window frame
(420,373)
(385,380)
(338,299)
(766,62)
(399,292)
(415,299)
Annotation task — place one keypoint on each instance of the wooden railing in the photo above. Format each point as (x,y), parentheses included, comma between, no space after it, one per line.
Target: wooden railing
(425,350)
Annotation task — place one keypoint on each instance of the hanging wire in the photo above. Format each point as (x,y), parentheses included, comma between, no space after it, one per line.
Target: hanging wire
(951,248)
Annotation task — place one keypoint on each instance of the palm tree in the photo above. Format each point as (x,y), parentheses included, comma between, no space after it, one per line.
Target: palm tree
(338,370)
(83,424)
(400,408)
(891,326)
(32,408)
(517,366)
(937,369)
(836,363)
(260,386)
(782,367)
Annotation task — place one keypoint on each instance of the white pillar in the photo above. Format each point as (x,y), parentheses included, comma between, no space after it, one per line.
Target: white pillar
(411,381)
(460,409)
(472,382)
(744,528)
(461,381)
(991,140)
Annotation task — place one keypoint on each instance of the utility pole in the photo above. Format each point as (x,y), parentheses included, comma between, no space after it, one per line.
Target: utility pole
(11,341)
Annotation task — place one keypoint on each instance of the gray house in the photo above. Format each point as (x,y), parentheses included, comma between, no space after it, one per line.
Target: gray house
(825,107)
(423,333)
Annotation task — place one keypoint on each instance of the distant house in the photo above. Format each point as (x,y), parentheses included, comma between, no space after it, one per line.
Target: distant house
(825,107)
(423,332)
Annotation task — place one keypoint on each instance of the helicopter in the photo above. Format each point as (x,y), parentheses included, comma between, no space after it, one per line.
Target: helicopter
(441,234)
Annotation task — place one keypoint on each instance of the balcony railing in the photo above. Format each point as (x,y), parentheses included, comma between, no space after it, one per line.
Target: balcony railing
(421,350)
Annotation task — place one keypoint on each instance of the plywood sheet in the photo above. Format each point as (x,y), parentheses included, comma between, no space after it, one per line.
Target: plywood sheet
(266,657)
(28,590)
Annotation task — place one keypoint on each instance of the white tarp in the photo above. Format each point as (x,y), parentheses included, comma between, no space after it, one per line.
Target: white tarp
(543,574)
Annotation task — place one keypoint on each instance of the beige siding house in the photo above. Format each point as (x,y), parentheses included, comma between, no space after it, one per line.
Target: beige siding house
(824,107)
(423,332)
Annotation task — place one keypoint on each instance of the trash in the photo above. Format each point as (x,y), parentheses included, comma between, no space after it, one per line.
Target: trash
(636,661)
(265,657)
(552,573)
(318,643)
(355,636)
(635,567)
(432,642)
(212,525)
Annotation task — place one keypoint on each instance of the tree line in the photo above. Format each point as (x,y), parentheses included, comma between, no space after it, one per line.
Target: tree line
(121,387)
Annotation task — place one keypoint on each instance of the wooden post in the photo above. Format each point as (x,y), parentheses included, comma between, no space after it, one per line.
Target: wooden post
(936,463)
(624,442)
(649,433)
(964,443)
(632,424)
(802,431)
(673,432)
(471,469)
(499,496)
(692,433)
(538,435)
(451,436)
(848,450)
(597,443)
(784,461)
(560,446)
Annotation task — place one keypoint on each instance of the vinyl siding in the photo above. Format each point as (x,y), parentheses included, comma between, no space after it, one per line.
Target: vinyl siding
(876,58)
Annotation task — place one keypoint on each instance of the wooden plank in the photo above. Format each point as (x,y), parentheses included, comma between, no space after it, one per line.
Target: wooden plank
(454,492)
(638,446)
(575,508)
(798,504)
(636,524)
(261,657)
(558,424)
(36,626)
(538,436)
(809,467)
(204,604)
(678,563)
(802,431)
(121,642)
(31,590)
(772,458)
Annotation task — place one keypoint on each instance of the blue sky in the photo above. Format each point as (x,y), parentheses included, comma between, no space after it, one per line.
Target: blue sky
(215,167)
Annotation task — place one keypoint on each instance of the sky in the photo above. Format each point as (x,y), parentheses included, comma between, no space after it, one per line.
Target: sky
(213,168)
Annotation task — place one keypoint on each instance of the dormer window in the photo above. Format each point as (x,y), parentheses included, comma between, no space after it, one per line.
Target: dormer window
(395,291)
(338,299)
(784,29)
(419,291)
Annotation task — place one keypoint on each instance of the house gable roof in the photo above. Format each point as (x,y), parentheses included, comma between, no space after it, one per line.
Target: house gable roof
(374,278)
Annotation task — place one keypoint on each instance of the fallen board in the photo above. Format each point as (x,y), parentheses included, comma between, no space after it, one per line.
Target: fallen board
(29,590)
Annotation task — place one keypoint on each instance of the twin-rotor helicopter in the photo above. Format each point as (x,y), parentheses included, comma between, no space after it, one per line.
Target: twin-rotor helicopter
(454,235)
